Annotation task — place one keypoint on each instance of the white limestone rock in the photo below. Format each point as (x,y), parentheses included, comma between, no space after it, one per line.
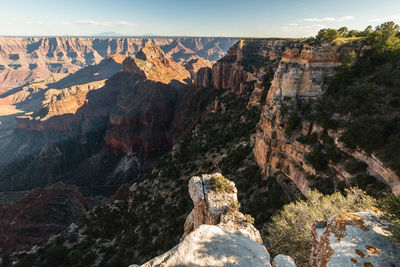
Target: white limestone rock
(210,245)
(283,261)
(354,239)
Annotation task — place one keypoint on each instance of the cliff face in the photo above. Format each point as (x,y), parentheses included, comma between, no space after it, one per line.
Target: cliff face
(303,72)
(23,60)
(285,75)
(248,66)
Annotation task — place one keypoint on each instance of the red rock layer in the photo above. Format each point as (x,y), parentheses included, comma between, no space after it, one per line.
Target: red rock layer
(40,214)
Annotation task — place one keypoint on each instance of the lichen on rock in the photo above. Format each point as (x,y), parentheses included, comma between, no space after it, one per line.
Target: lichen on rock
(354,238)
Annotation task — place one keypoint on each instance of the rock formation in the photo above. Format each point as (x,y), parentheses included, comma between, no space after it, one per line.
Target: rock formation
(38,215)
(249,62)
(216,233)
(152,63)
(217,208)
(354,239)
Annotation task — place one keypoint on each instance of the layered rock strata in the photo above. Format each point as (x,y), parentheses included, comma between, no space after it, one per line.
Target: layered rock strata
(23,59)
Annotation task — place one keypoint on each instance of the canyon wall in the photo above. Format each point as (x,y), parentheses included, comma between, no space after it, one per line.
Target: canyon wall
(139,110)
(280,76)
(24,59)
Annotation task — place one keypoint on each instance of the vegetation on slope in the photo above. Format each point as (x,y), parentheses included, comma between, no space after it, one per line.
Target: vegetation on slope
(362,100)
(365,96)
(152,222)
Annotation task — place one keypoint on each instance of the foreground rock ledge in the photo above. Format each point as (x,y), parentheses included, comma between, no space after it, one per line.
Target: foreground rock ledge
(210,245)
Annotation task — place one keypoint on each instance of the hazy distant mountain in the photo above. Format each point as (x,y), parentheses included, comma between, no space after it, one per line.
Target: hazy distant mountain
(107,34)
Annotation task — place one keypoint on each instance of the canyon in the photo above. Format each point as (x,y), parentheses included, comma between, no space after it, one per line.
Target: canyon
(24,59)
(156,114)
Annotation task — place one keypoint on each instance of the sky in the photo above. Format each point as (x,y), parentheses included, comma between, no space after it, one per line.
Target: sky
(236,18)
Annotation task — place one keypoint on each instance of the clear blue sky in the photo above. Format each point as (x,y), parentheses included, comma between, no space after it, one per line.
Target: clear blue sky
(243,18)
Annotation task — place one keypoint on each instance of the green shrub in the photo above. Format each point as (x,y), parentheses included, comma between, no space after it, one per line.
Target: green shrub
(356,166)
(289,232)
(233,206)
(293,123)
(391,204)
(219,183)
(308,139)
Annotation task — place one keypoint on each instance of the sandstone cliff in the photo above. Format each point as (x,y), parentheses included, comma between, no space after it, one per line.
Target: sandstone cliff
(287,76)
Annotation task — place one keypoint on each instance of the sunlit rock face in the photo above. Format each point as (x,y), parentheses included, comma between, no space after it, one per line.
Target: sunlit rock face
(353,239)
(23,60)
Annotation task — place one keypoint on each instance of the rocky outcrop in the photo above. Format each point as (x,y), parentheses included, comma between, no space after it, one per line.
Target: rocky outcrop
(217,207)
(275,152)
(283,261)
(152,63)
(354,239)
(305,71)
(216,233)
(23,60)
(38,215)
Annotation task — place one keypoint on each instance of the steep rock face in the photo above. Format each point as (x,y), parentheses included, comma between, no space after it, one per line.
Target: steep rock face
(304,71)
(38,215)
(274,152)
(249,64)
(303,74)
(24,59)
(195,64)
(354,239)
(233,70)
(217,208)
(375,166)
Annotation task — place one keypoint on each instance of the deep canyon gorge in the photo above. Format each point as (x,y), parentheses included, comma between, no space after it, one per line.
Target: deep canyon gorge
(182,151)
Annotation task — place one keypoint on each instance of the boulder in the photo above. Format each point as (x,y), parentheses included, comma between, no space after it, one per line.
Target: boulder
(354,239)
(283,261)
